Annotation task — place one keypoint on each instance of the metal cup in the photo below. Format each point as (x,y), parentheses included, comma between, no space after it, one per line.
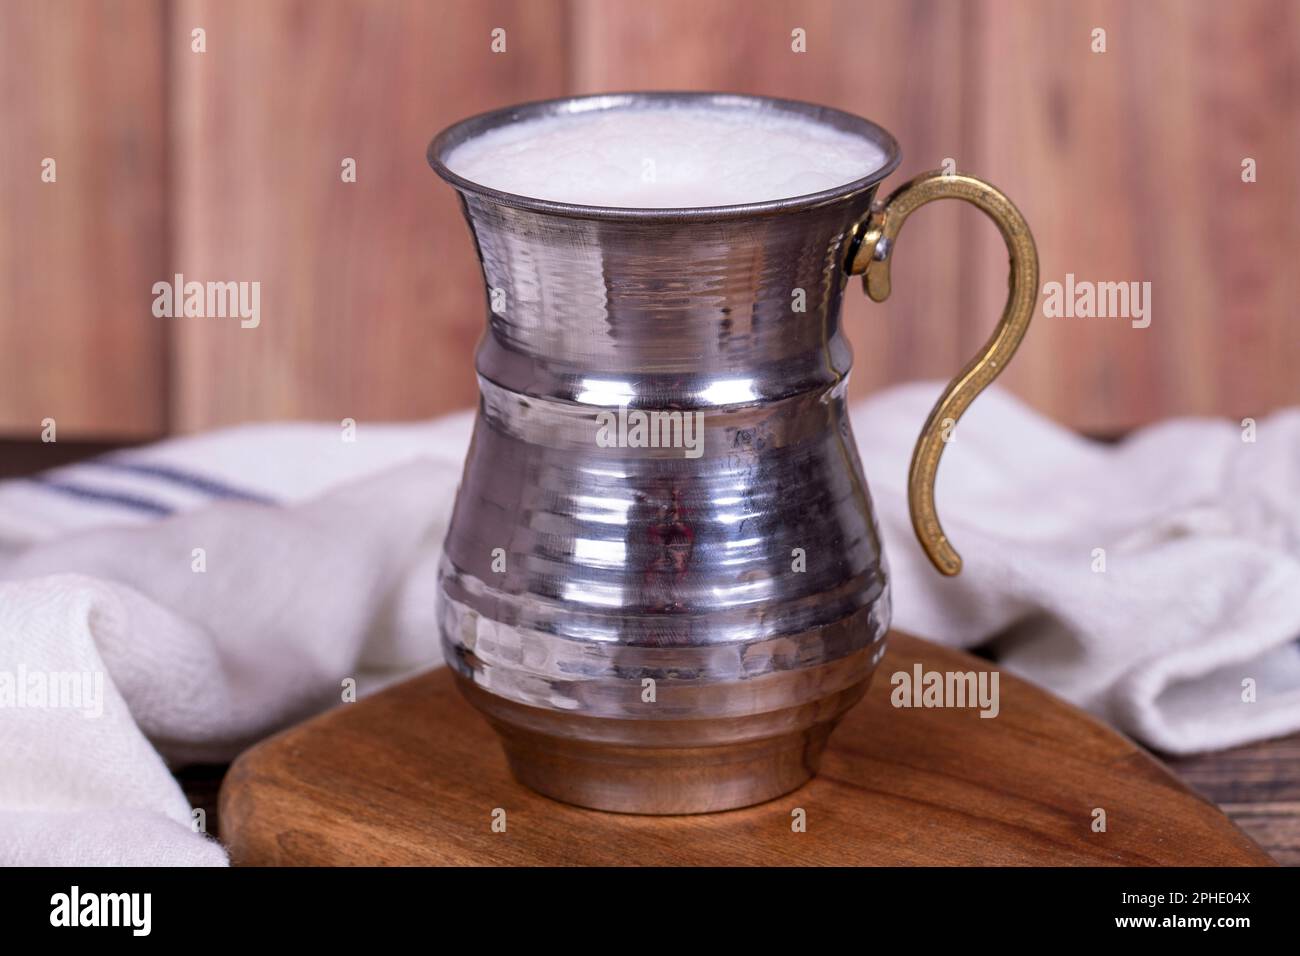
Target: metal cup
(663,582)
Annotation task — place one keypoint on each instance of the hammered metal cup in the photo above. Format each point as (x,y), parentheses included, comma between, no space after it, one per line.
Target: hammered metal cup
(676,625)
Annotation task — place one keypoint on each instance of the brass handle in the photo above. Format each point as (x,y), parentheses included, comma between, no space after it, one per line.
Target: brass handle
(872,261)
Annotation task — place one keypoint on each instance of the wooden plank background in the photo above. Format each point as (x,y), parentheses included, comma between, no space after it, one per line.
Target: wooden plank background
(82,84)
(225,165)
(1128,166)
(371,295)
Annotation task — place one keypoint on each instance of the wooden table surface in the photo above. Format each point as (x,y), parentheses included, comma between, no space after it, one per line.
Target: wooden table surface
(1258,787)
(414,776)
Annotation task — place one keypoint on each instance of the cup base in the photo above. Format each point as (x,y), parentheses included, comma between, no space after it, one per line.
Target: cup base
(659,780)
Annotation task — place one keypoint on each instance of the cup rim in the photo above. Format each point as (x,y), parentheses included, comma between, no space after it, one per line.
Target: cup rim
(465,129)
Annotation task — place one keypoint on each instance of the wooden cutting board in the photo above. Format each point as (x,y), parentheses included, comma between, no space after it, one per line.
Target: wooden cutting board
(413,775)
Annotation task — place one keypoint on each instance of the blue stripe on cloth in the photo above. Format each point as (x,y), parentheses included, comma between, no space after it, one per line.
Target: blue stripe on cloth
(186,479)
(133,502)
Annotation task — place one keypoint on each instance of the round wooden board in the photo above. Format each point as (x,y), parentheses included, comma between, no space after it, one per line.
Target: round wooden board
(413,775)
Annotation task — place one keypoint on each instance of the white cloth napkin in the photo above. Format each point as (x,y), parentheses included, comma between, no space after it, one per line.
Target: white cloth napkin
(317,564)
(1199,532)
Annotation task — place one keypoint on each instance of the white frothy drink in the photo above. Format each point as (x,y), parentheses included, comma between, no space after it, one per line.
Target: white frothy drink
(666,157)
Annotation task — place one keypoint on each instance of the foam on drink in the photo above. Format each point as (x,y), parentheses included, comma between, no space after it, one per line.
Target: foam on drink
(665,157)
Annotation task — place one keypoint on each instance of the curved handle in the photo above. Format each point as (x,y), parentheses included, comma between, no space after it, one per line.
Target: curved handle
(872,261)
